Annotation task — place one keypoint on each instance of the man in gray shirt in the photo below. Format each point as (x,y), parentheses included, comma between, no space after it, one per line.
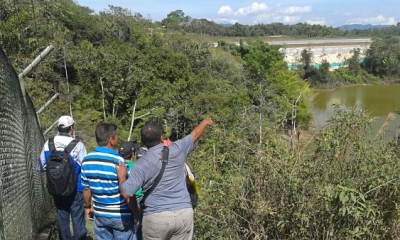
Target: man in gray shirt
(168,213)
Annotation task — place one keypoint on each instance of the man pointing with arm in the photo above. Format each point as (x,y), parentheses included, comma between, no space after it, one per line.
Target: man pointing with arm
(167,212)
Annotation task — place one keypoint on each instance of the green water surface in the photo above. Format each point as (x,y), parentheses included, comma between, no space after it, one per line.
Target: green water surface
(377,100)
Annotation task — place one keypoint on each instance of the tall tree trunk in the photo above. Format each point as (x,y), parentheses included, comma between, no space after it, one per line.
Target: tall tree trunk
(103,99)
(133,119)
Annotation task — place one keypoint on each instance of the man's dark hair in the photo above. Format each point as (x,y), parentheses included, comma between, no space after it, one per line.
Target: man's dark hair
(64,130)
(151,133)
(104,131)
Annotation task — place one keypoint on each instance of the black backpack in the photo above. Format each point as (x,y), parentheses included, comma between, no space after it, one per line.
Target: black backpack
(60,170)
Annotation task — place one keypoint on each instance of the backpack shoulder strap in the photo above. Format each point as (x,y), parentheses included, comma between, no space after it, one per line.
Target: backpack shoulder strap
(71,146)
(164,159)
(52,148)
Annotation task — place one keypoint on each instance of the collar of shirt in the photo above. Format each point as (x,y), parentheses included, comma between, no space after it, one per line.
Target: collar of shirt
(156,147)
(106,150)
(64,134)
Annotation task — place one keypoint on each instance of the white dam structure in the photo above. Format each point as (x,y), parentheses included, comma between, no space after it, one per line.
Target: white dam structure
(335,51)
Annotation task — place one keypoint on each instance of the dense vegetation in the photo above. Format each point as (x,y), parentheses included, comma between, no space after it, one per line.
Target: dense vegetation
(379,64)
(260,176)
(177,20)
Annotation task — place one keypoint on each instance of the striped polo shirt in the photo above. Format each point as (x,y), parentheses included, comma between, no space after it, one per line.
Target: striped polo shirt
(99,173)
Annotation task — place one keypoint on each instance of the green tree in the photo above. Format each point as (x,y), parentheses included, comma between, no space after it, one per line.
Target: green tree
(354,62)
(176,20)
(272,87)
(382,57)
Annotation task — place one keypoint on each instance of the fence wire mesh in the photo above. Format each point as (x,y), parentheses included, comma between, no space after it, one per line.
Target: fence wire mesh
(24,201)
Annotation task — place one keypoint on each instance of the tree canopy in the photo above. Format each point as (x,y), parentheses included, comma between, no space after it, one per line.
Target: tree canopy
(259,179)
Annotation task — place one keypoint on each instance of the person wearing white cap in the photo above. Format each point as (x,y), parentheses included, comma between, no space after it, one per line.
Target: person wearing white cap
(71,206)
(64,122)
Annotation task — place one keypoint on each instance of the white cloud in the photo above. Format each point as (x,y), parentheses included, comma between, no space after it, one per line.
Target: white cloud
(316,22)
(295,10)
(274,17)
(254,8)
(225,10)
(260,13)
(226,20)
(290,19)
(374,20)
(391,21)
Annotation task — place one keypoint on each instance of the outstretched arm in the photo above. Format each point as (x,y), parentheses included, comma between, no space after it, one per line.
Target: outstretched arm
(199,130)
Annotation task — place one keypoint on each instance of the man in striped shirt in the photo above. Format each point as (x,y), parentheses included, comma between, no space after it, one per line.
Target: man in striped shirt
(112,212)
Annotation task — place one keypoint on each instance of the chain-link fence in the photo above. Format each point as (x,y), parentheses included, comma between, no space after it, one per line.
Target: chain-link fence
(24,201)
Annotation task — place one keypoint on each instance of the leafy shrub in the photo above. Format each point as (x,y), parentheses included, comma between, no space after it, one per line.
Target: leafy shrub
(342,186)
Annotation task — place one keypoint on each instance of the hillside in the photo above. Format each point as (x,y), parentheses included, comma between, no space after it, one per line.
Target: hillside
(259,177)
(362,27)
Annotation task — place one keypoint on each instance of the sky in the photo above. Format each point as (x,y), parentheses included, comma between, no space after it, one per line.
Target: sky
(333,13)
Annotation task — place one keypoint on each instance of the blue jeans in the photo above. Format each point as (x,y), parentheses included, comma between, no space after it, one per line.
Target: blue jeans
(71,207)
(114,228)
(138,232)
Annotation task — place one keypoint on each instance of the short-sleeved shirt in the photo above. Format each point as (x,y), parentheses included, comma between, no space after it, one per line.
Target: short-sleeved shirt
(60,143)
(139,192)
(99,173)
(171,192)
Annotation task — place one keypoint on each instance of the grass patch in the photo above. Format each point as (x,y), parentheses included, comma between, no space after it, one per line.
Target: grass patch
(49,229)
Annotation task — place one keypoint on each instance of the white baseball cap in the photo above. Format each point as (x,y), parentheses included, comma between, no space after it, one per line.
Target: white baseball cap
(65,121)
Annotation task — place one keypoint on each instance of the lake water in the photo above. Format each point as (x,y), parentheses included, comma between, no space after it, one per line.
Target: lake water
(378,100)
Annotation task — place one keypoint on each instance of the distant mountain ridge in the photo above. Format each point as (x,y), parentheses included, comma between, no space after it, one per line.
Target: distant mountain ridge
(362,26)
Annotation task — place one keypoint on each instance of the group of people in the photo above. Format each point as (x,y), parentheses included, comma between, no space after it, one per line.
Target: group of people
(115,188)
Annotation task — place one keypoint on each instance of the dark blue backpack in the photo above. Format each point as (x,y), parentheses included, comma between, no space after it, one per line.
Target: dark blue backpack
(60,171)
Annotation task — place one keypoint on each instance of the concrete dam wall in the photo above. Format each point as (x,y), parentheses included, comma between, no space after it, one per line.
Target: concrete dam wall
(335,51)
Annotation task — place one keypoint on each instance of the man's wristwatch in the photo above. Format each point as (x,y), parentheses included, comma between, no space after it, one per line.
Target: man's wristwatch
(87,205)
